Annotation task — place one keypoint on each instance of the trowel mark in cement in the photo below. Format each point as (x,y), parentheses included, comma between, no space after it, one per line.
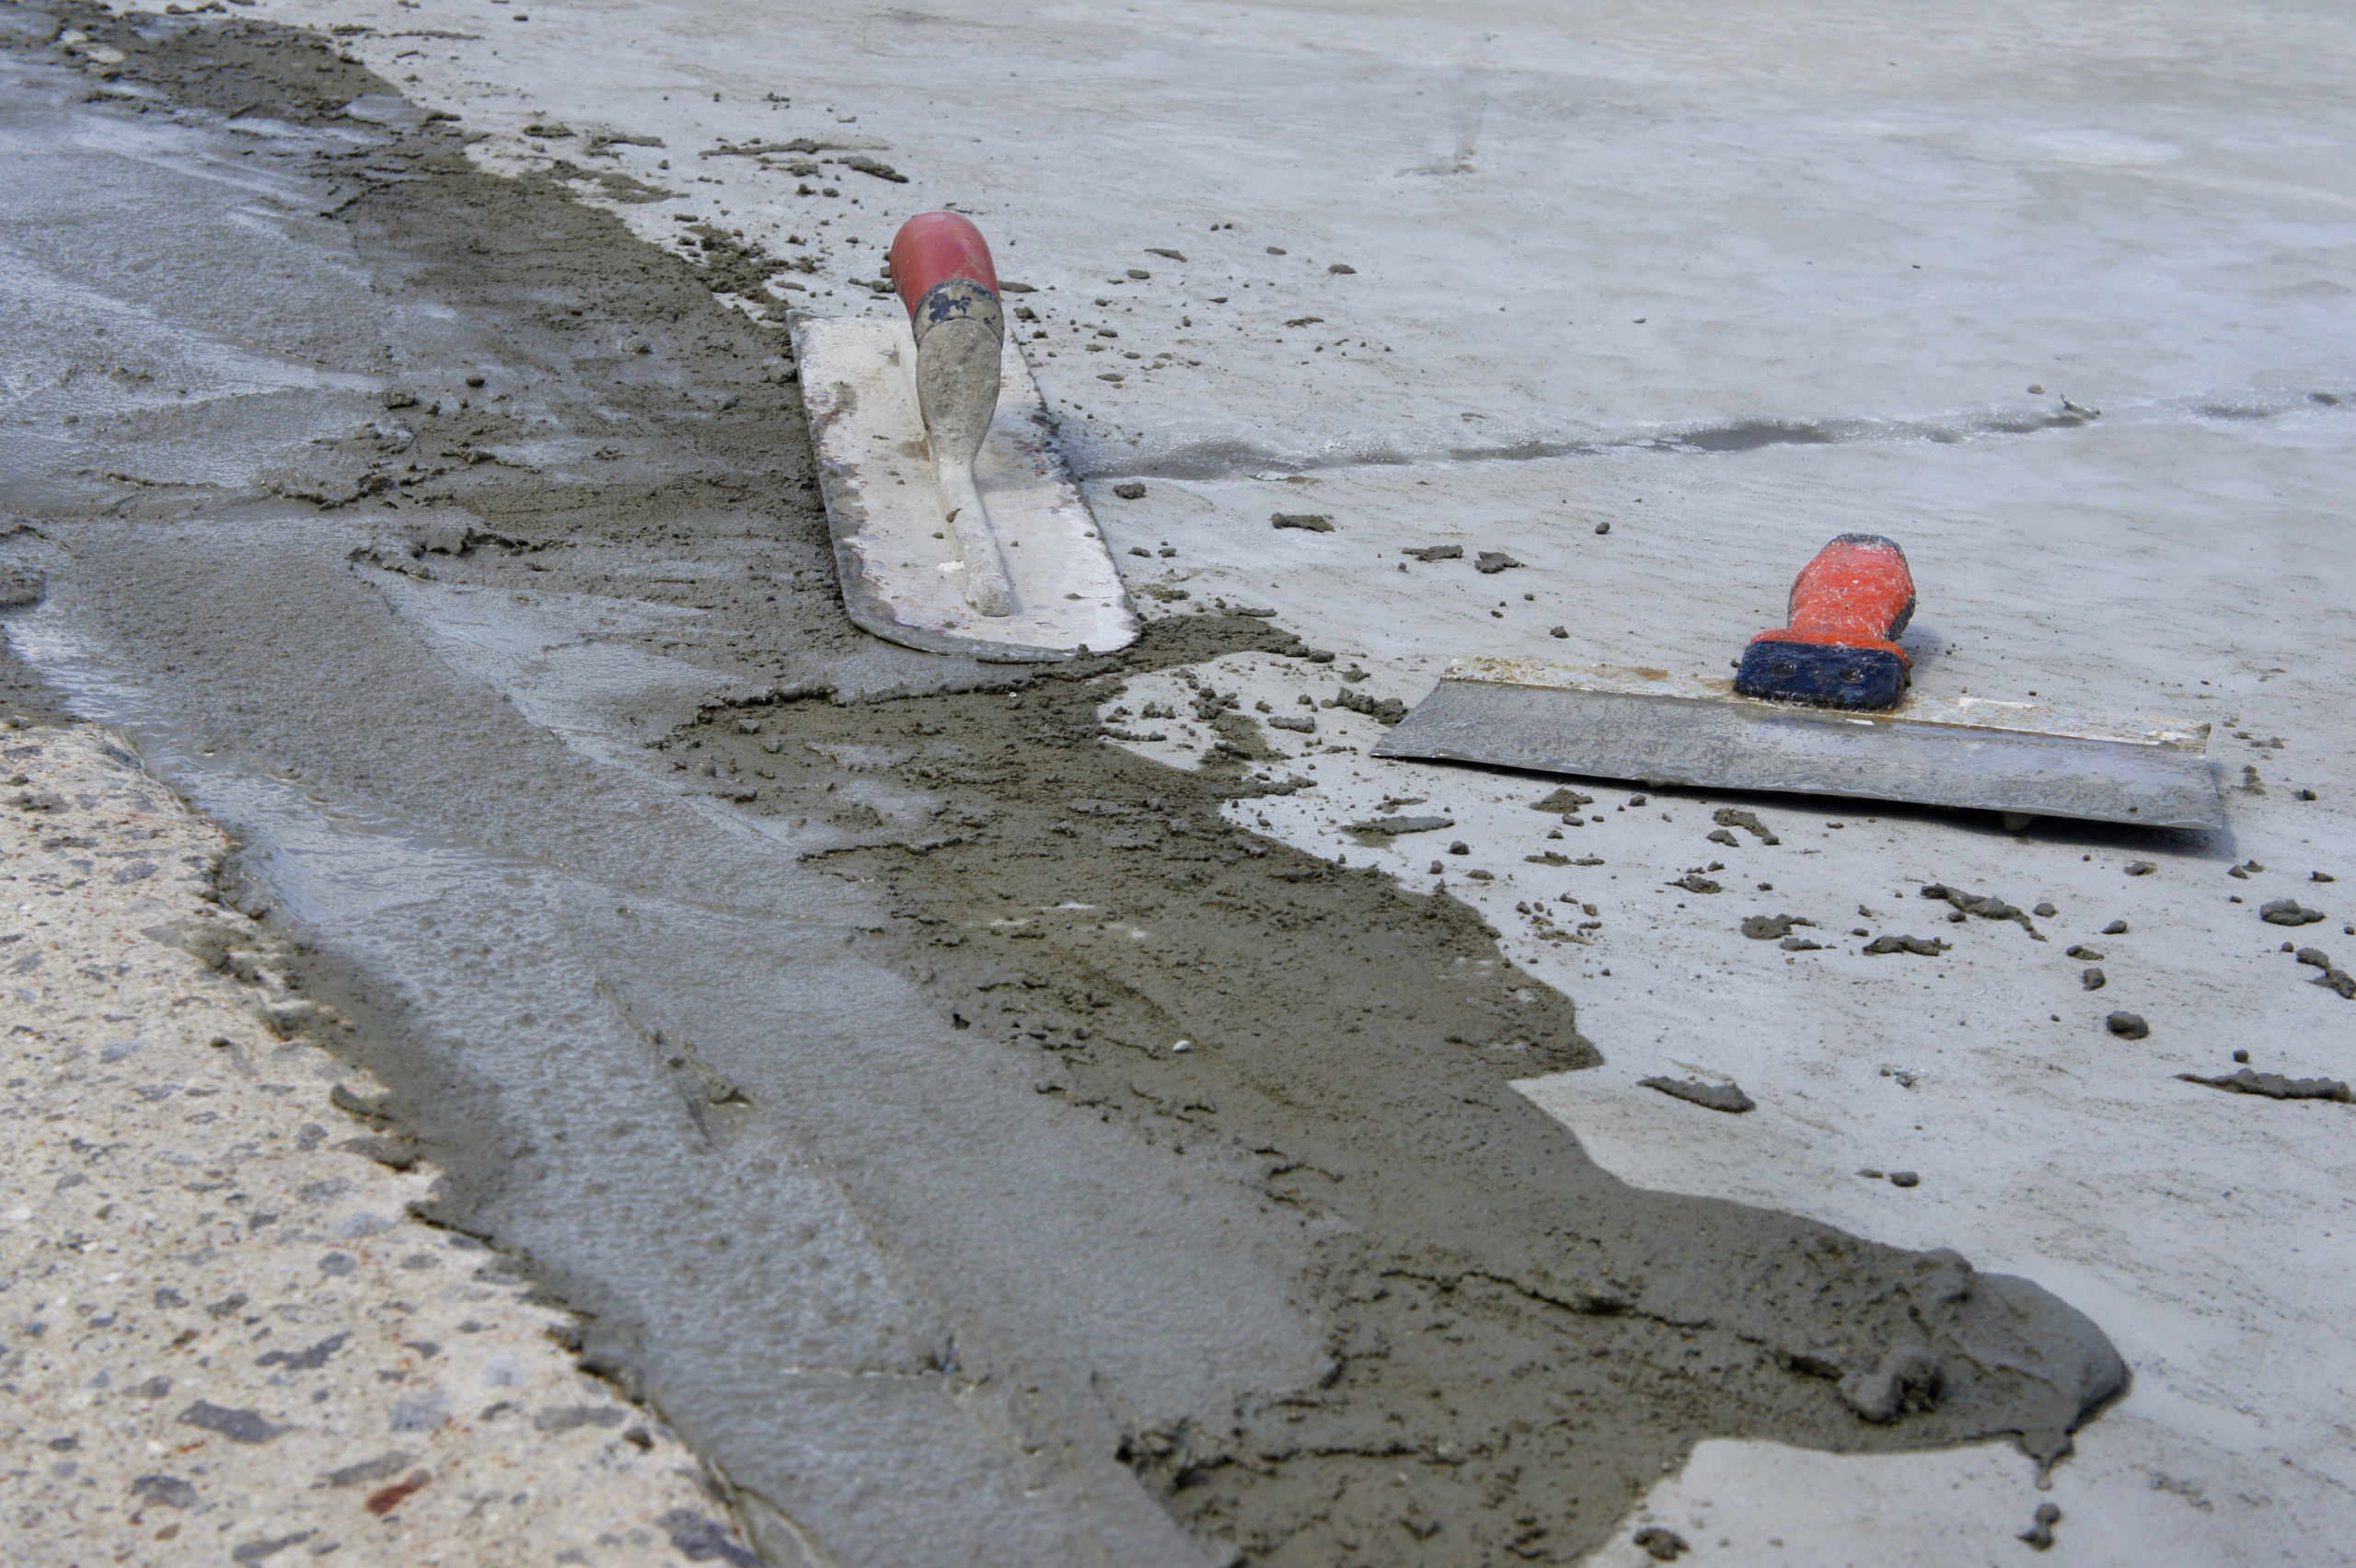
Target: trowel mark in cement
(1524,1340)
(1514,1333)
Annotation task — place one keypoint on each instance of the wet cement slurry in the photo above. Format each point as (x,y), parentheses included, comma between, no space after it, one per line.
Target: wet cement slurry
(807,1012)
(1519,1341)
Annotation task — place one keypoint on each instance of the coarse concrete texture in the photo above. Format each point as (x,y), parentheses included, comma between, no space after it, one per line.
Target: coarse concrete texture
(2054,293)
(225,1336)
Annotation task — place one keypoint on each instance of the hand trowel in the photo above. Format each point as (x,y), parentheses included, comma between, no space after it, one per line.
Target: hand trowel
(957,528)
(1822,705)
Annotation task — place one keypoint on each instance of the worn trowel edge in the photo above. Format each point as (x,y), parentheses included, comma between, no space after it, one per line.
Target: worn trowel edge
(854,388)
(1653,727)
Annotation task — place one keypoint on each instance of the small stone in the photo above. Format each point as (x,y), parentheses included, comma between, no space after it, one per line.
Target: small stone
(1460,847)
(2045,911)
(1724,1097)
(1429,553)
(1904,1179)
(1490,563)
(1734,816)
(1132,489)
(2288,912)
(238,1425)
(2128,1025)
(1603,527)
(164,1491)
(2116,929)
(1660,1545)
(2091,978)
(1559,631)
(2039,1535)
(2140,867)
(1313,522)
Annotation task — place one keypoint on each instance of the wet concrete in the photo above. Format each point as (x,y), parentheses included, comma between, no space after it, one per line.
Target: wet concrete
(807,1011)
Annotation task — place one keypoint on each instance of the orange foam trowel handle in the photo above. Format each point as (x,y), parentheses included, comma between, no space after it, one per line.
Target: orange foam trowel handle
(933,247)
(1856,594)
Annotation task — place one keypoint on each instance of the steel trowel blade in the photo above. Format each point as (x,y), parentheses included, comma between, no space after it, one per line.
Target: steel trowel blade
(1655,728)
(901,569)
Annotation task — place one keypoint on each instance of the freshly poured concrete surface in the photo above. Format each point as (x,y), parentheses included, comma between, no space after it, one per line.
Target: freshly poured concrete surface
(1849,272)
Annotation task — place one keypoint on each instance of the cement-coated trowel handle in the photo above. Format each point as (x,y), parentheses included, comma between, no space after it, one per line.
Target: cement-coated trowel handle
(1856,594)
(942,266)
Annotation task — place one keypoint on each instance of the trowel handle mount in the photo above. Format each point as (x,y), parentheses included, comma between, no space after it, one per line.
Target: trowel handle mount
(942,266)
(1848,605)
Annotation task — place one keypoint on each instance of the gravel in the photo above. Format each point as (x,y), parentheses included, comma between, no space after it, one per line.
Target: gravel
(221,1305)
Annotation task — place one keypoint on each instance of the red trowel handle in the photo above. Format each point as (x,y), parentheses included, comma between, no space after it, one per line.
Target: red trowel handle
(933,247)
(1856,594)
(1848,605)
